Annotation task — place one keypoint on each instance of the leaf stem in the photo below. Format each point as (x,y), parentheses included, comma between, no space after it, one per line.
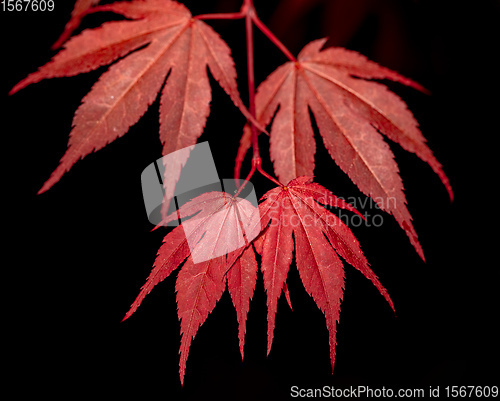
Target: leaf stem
(246,10)
(269,177)
(248,13)
(247,179)
(250,17)
(238,15)
(266,31)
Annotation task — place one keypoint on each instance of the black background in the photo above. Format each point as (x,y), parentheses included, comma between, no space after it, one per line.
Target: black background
(75,257)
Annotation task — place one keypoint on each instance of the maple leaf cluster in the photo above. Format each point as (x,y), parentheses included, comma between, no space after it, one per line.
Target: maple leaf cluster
(160,48)
(287,215)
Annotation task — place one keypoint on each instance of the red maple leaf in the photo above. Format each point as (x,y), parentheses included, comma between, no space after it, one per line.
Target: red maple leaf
(212,240)
(165,43)
(350,113)
(296,211)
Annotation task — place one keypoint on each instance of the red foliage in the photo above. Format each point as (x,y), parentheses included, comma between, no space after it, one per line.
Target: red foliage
(178,47)
(320,238)
(162,48)
(79,11)
(215,228)
(350,112)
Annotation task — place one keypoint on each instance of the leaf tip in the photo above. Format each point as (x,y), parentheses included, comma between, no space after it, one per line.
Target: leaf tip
(451,195)
(46,186)
(129,313)
(420,88)
(43,189)
(269,343)
(17,87)
(391,304)
(421,254)
(287,296)
(59,42)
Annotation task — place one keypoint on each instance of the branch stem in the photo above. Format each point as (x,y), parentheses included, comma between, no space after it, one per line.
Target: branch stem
(248,13)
